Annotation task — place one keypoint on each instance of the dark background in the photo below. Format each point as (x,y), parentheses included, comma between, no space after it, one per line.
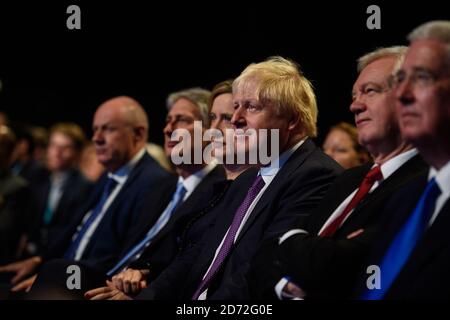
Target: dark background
(147,50)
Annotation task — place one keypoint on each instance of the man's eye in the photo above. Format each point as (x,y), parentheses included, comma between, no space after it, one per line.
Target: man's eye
(371,91)
(423,76)
(227,118)
(212,116)
(252,107)
(399,78)
(341,150)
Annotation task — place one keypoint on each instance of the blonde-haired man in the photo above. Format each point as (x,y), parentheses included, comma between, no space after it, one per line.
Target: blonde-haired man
(262,202)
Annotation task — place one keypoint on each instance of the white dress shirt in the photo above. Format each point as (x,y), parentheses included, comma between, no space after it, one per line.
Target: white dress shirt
(387,169)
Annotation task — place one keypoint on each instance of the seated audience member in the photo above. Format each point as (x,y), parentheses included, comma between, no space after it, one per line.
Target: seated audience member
(14,200)
(97,234)
(322,257)
(413,254)
(341,143)
(63,191)
(262,202)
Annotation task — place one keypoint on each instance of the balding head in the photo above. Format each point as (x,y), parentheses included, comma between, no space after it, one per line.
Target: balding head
(120,130)
(127,109)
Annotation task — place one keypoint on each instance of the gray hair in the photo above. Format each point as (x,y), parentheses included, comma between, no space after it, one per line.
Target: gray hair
(437,30)
(198,96)
(397,52)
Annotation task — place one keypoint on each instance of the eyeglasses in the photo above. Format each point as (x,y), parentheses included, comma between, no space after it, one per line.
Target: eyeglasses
(420,77)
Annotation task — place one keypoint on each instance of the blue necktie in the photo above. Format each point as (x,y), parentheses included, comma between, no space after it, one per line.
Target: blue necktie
(109,187)
(138,249)
(406,239)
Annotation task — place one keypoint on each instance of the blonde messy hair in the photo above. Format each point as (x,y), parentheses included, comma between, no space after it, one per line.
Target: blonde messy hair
(280,81)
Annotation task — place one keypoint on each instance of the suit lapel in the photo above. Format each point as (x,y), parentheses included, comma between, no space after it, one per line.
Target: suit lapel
(135,172)
(227,208)
(407,172)
(192,202)
(434,241)
(155,206)
(335,196)
(296,160)
(133,176)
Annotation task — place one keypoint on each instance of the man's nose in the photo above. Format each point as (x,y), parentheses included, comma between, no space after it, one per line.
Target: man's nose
(404,93)
(238,119)
(358,105)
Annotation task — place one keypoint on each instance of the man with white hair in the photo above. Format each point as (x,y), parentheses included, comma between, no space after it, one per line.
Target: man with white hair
(413,255)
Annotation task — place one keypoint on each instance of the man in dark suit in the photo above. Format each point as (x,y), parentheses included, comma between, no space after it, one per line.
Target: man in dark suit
(322,257)
(413,256)
(63,191)
(97,234)
(262,202)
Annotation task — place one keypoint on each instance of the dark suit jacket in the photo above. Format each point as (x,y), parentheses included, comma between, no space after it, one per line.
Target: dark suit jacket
(33,172)
(327,267)
(119,221)
(295,191)
(14,200)
(164,246)
(426,273)
(51,282)
(75,191)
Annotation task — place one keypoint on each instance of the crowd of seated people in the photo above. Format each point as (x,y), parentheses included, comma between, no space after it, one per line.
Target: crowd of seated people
(258,210)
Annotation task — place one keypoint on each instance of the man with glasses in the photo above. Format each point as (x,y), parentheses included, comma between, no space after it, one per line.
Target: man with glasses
(413,255)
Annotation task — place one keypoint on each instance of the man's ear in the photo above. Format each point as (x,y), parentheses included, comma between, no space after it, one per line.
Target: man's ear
(139,133)
(294,122)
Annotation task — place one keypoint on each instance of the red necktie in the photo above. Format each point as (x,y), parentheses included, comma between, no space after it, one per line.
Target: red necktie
(373,175)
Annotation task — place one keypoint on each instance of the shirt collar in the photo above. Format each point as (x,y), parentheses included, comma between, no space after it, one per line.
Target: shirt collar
(390,166)
(442,178)
(60,178)
(121,175)
(268,172)
(191,182)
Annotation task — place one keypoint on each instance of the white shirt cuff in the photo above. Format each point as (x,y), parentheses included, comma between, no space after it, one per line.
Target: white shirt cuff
(290,233)
(279,287)
(285,296)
